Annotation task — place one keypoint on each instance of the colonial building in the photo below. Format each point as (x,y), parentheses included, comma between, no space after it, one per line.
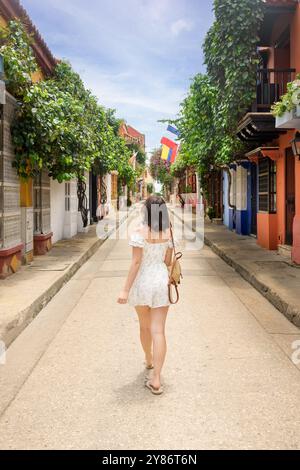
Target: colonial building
(148,182)
(261,193)
(24,207)
(39,212)
(132,136)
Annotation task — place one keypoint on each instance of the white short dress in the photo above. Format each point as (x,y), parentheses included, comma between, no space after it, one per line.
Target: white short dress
(150,286)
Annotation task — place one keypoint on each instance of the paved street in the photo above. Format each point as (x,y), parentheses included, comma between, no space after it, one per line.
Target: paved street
(74,377)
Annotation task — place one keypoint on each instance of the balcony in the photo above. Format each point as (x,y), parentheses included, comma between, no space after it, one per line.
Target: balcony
(271,85)
(258,125)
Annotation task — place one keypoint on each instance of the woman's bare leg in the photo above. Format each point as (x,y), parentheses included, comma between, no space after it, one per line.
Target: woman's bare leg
(145,332)
(158,322)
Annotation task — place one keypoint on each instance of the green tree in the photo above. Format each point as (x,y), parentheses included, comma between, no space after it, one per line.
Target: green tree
(160,169)
(59,124)
(216,101)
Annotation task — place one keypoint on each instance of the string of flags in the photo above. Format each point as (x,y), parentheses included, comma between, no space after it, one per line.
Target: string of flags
(169,147)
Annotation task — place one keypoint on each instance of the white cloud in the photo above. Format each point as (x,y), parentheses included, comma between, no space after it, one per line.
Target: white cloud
(141,103)
(138,63)
(181,25)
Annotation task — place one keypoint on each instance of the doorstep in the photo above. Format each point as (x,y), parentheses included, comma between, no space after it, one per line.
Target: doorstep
(24,294)
(269,272)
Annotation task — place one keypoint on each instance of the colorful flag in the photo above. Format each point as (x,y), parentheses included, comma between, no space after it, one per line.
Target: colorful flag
(169,143)
(165,152)
(173,130)
(173,155)
(170,155)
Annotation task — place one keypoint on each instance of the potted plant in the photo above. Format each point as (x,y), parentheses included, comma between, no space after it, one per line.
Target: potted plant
(150,188)
(211,213)
(287,110)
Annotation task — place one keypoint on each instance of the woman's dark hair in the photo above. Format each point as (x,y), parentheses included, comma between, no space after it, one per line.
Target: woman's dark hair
(156,214)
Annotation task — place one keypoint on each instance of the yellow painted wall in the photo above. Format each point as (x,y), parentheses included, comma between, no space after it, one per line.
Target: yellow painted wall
(3,23)
(26,193)
(37,76)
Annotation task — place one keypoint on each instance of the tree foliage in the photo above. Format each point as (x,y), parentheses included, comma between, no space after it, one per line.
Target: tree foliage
(160,169)
(141,157)
(18,58)
(216,101)
(179,167)
(59,124)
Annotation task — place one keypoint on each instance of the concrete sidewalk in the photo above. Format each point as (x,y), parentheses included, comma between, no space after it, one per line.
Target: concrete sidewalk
(25,294)
(270,273)
(74,378)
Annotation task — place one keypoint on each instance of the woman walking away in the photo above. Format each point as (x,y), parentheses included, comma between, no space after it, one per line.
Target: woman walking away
(146,287)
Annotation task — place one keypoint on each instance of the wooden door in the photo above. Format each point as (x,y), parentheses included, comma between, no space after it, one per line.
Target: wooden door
(290,195)
(254,199)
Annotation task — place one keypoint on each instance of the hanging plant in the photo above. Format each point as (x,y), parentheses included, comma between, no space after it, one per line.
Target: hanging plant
(288,101)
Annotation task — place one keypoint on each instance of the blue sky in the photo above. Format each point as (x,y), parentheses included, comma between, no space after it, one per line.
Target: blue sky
(136,56)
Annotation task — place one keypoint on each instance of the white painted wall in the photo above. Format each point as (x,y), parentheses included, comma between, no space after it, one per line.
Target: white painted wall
(65,224)
(241,188)
(70,217)
(57,205)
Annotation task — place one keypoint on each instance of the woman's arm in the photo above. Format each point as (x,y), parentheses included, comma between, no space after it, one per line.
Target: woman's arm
(137,254)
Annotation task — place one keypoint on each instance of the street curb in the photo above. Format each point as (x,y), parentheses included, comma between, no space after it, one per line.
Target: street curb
(26,316)
(291,312)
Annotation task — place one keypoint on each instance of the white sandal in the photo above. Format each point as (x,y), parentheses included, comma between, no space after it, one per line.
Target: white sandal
(155,391)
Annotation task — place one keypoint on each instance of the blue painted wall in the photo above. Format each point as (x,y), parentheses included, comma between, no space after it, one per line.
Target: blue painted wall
(243,213)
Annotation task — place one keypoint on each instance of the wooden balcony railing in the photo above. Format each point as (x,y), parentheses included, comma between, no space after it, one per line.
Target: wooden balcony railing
(271,85)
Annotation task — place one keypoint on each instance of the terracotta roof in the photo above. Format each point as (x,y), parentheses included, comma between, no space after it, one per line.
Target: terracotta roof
(11,9)
(133,132)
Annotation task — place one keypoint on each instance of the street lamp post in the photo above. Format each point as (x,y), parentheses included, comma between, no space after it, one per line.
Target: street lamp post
(296,145)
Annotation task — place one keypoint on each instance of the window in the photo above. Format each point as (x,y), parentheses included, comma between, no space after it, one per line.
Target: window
(267,187)
(193,182)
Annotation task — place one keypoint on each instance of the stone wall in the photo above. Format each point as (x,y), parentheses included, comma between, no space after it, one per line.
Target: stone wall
(10,212)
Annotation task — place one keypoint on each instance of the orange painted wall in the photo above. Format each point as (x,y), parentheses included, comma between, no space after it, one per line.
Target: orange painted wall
(272,228)
(279,58)
(295,59)
(296,227)
(284,143)
(295,40)
(267,230)
(281,197)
